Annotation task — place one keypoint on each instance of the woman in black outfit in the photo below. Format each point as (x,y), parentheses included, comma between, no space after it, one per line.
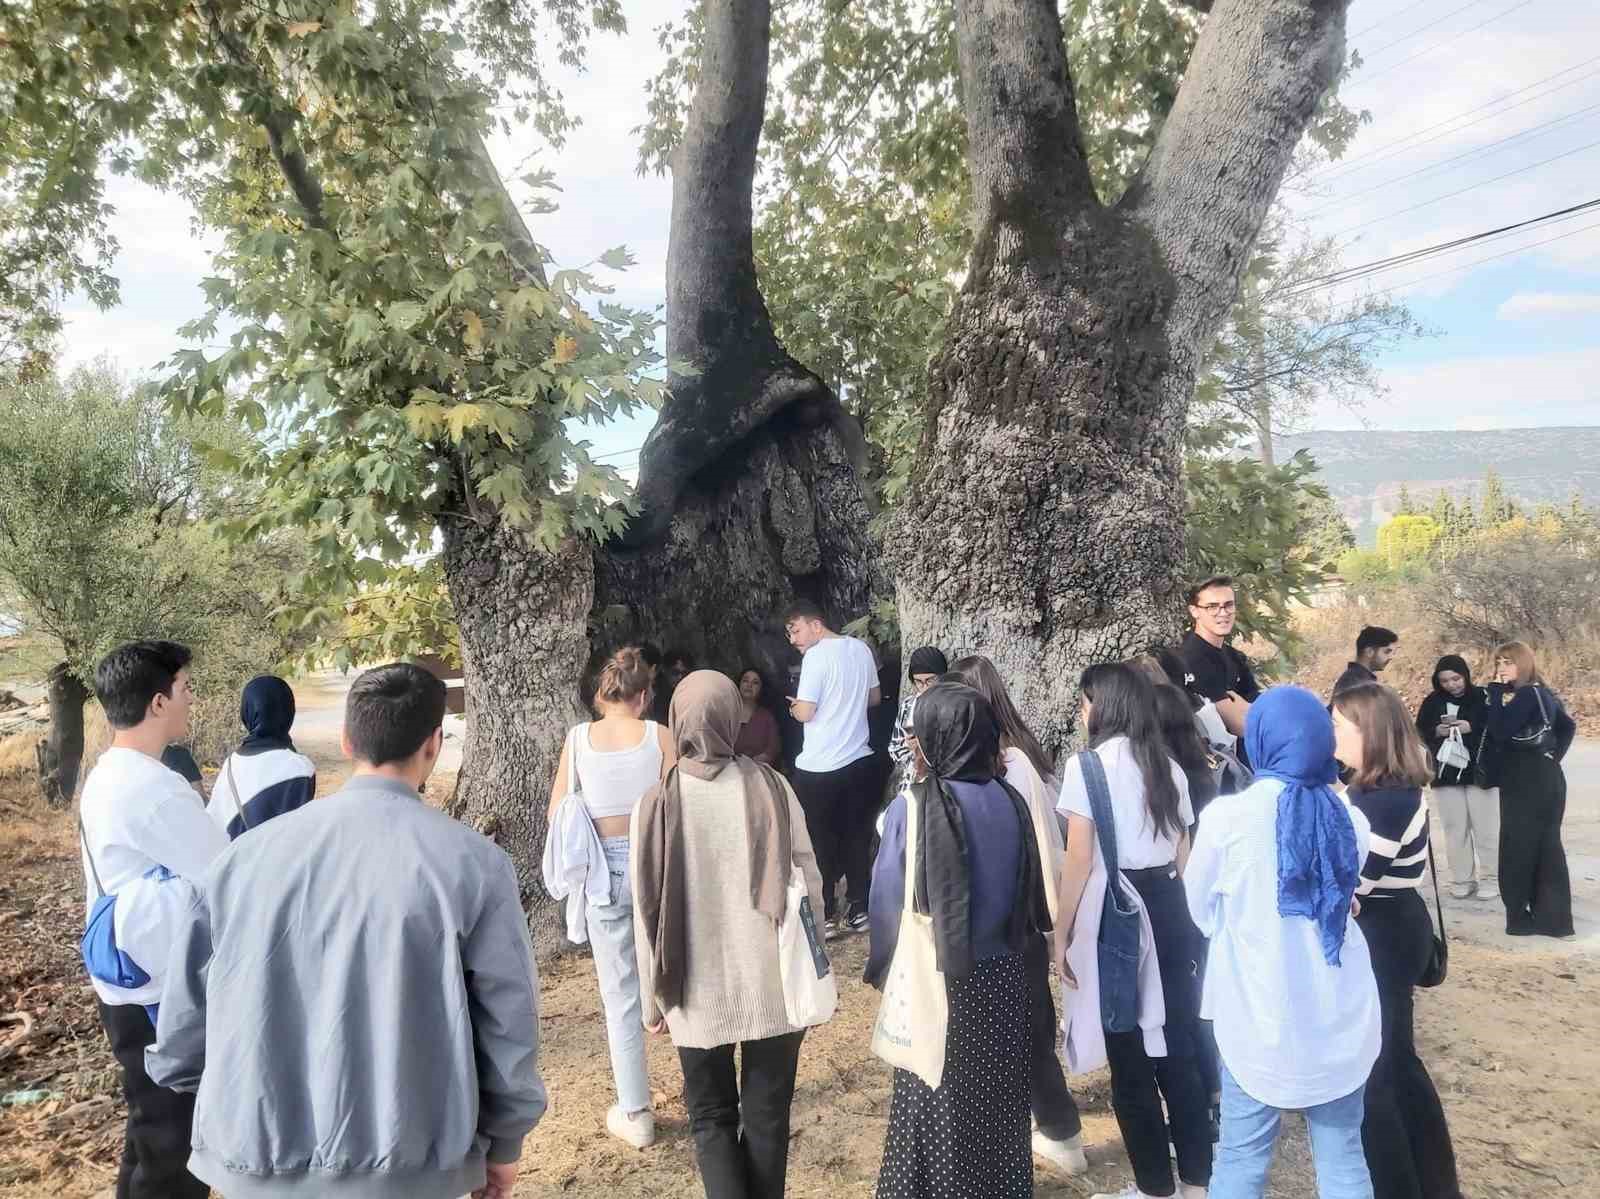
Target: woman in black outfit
(1530,732)
(1404,1133)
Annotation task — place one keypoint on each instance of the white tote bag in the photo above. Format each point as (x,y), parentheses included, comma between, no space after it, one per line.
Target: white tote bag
(810,992)
(914,1014)
(1454,752)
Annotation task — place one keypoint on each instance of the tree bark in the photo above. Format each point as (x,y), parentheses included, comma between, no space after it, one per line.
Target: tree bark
(60,754)
(523,620)
(1043,524)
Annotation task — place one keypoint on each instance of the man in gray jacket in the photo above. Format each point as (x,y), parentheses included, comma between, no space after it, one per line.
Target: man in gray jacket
(354,995)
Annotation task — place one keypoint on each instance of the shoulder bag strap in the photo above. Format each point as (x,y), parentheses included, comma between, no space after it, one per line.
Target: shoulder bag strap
(911,851)
(1094,781)
(1438,904)
(93,872)
(238,804)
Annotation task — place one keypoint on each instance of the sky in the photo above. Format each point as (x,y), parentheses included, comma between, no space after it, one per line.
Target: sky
(1483,113)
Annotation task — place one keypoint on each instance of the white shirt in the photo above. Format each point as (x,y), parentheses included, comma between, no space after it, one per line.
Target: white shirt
(136,815)
(1293,1031)
(1139,845)
(254,773)
(1025,781)
(836,674)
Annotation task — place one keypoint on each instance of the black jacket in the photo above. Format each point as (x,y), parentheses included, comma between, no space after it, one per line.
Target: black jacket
(1473,707)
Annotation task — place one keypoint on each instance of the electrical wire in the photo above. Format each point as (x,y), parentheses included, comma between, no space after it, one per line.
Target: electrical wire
(1422,28)
(1392,16)
(1521,4)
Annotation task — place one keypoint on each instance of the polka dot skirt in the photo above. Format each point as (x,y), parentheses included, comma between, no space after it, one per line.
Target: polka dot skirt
(970,1137)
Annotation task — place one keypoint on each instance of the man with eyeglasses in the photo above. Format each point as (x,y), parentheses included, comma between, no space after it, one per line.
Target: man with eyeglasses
(1214,669)
(927,664)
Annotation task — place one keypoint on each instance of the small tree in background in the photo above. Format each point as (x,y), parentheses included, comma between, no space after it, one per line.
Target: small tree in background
(1408,539)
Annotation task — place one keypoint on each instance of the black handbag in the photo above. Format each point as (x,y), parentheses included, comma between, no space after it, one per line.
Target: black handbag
(1540,738)
(1439,960)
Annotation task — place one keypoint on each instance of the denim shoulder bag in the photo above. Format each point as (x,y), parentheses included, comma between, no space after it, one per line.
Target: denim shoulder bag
(1118,946)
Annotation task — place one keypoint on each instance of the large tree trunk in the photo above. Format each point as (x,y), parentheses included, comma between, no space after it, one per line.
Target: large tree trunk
(60,754)
(1044,520)
(523,618)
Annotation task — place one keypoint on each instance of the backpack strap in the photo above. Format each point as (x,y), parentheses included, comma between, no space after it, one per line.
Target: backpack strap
(238,804)
(93,872)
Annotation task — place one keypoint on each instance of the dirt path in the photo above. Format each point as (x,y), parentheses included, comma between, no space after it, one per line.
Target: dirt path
(1512,1039)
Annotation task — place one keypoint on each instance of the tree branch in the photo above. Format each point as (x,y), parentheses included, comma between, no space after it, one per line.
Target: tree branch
(1024,145)
(1252,84)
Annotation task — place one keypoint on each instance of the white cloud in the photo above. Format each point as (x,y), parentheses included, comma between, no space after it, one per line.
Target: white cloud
(1490,392)
(1548,305)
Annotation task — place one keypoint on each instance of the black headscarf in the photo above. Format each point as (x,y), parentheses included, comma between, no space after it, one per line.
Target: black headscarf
(959,737)
(266,709)
(1458,664)
(927,660)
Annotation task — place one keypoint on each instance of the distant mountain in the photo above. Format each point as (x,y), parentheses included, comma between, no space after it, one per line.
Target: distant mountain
(1364,469)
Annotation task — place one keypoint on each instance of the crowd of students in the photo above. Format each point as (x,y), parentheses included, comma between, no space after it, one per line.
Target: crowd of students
(344,1000)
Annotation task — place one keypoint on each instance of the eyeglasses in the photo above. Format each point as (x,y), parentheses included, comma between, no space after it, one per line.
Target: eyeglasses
(1224,606)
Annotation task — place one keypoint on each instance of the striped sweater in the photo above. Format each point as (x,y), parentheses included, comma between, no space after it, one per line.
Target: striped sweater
(1397,854)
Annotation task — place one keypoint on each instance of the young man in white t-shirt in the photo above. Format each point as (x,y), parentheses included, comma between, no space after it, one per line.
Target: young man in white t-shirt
(835,777)
(136,815)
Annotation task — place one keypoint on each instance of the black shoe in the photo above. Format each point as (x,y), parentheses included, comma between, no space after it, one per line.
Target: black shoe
(856,921)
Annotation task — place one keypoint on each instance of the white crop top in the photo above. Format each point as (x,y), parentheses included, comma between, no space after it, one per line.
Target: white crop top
(612,781)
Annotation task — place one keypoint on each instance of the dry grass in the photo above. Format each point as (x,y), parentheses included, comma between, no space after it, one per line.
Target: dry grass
(18,756)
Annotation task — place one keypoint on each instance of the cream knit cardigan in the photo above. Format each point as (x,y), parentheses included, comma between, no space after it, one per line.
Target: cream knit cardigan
(732,990)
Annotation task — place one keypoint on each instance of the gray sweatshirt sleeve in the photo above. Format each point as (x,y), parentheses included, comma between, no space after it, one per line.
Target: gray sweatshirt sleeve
(178,1056)
(503,994)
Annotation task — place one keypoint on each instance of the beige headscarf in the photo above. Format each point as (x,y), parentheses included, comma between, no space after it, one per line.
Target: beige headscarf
(704,721)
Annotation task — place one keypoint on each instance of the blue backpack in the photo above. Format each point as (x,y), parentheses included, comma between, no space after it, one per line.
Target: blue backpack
(1118,944)
(102,957)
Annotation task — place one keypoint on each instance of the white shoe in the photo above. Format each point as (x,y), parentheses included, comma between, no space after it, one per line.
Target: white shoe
(1130,1192)
(637,1129)
(1066,1156)
(1462,890)
(1488,891)
(1187,1190)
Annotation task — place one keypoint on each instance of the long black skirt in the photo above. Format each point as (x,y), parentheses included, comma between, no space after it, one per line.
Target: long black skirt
(970,1137)
(1534,883)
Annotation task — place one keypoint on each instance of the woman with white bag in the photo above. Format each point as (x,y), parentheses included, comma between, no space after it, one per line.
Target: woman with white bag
(957,894)
(607,765)
(726,900)
(1453,723)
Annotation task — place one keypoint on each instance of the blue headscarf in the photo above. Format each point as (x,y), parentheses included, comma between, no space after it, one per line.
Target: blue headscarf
(1289,737)
(266,709)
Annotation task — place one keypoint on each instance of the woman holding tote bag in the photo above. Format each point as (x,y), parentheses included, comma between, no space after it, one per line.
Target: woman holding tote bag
(718,849)
(957,892)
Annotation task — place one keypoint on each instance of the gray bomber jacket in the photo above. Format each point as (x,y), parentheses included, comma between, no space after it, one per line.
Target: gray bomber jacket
(355,999)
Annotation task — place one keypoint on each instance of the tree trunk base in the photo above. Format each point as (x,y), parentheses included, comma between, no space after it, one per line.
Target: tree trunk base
(60,754)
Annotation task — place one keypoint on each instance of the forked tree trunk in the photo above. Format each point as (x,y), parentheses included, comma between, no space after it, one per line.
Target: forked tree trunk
(60,754)
(1044,521)
(523,619)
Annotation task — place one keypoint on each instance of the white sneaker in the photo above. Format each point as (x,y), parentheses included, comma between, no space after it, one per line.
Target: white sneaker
(1130,1192)
(637,1128)
(1187,1190)
(1462,890)
(1066,1156)
(1488,891)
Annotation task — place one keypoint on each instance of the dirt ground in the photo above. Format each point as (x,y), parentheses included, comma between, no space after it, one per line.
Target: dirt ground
(1512,1039)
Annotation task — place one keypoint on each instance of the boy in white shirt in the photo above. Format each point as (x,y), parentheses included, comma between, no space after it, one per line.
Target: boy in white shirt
(835,777)
(136,815)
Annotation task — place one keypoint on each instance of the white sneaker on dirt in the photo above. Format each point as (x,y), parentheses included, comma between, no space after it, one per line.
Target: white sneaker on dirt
(1462,890)
(1066,1156)
(1488,891)
(1129,1192)
(637,1128)
(1187,1190)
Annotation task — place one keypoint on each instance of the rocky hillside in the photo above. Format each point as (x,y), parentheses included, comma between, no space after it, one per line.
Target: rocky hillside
(1365,469)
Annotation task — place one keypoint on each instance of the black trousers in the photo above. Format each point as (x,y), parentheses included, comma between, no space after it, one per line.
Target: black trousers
(1139,1082)
(1534,883)
(751,1164)
(840,806)
(155,1147)
(1053,1105)
(1404,1133)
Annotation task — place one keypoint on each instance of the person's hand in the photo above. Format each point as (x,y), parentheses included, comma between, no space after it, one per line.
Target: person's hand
(502,1180)
(1355,905)
(1064,943)
(1233,710)
(1444,728)
(656,1026)
(1465,726)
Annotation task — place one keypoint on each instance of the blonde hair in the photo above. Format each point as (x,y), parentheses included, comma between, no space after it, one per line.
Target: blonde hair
(1520,653)
(624,677)
(1392,753)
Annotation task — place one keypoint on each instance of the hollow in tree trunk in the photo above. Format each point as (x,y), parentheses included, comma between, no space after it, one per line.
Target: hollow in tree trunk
(60,754)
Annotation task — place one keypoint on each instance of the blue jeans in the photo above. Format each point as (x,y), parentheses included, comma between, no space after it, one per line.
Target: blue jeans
(611,935)
(1250,1132)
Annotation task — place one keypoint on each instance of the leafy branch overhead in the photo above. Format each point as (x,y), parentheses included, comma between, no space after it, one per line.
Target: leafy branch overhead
(378,312)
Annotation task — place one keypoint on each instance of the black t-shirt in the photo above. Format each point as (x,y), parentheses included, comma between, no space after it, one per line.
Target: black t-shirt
(177,757)
(1354,675)
(1213,671)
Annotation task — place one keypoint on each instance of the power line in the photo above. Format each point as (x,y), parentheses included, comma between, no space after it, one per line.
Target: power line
(1531,131)
(1441,45)
(1394,261)
(1360,162)
(1425,28)
(1488,258)
(1392,16)
(1471,187)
